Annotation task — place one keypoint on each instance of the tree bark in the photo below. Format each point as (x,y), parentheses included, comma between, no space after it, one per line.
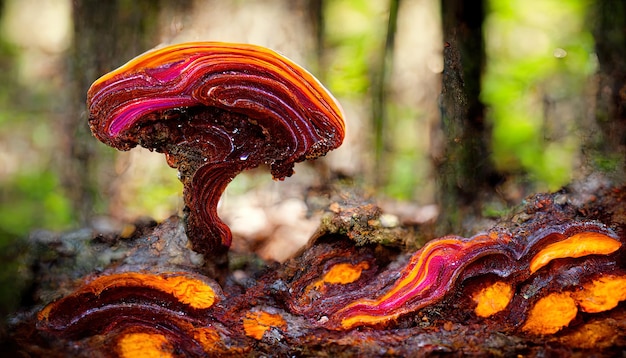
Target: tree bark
(609,31)
(464,170)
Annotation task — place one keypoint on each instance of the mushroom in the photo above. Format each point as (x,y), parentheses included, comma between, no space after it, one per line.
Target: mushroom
(110,300)
(215,109)
(535,266)
(430,274)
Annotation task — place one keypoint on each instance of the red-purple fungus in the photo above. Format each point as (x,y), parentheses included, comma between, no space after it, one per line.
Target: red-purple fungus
(131,299)
(215,109)
(435,270)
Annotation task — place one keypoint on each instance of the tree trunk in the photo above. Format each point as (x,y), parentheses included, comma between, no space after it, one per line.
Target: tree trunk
(106,34)
(464,170)
(609,31)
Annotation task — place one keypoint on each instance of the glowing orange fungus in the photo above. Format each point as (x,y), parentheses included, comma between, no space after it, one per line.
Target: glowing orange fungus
(557,310)
(579,245)
(144,345)
(255,324)
(492,299)
(550,314)
(190,291)
(342,273)
(207,337)
(602,294)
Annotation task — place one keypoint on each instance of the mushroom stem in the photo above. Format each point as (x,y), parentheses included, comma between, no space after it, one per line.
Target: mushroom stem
(211,234)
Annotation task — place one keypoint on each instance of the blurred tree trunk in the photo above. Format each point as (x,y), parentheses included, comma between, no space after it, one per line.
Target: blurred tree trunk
(380,99)
(464,170)
(609,31)
(106,34)
(315,10)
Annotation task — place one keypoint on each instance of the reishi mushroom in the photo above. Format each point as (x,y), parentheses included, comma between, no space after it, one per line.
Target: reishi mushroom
(100,302)
(436,269)
(215,109)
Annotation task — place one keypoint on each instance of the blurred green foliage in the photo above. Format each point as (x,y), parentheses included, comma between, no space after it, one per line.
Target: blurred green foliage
(355,38)
(408,167)
(353,32)
(35,201)
(539,57)
(30,193)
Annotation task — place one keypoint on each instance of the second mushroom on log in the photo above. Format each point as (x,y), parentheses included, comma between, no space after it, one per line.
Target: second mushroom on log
(215,109)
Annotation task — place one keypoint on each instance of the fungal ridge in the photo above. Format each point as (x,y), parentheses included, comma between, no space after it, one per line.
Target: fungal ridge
(435,270)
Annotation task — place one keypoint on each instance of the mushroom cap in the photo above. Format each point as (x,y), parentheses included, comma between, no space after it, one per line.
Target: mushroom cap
(246,79)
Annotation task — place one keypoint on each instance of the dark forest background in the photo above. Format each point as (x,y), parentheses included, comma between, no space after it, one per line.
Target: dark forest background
(456,110)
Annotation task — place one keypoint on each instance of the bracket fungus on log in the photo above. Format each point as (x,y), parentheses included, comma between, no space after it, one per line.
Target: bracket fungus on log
(436,270)
(139,297)
(557,280)
(215,109)
(483,281)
